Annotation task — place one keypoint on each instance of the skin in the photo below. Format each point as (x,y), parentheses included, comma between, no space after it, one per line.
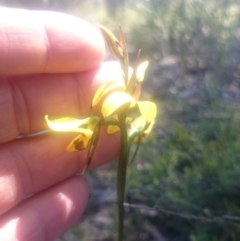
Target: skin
(50,63)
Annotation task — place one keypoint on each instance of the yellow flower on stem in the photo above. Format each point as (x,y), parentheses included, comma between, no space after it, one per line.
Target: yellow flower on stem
(118,104)
(121,111)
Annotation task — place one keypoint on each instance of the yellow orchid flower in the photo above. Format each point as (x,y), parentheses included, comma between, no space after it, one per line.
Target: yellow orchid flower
(121,111)
(119,103)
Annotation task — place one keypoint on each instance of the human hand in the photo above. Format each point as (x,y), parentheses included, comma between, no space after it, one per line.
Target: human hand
(50,63)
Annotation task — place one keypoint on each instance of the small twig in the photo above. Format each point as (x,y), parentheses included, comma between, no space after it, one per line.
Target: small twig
(232,218)
(213,219)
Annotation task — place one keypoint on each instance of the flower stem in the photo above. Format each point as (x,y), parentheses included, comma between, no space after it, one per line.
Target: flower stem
(121,173)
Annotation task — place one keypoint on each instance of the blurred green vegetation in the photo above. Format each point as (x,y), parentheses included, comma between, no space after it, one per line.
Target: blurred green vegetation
(189,171)
(187,175)
(195,171)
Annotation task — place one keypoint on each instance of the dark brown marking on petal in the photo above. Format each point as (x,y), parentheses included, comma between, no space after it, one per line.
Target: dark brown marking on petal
(79,145)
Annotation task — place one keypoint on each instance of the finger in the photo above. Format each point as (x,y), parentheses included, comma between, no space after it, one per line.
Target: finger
(47,215)
(30,165)
(24,101)
(46,42)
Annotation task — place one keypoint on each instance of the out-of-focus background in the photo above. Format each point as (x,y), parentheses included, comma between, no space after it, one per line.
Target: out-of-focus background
(185,183)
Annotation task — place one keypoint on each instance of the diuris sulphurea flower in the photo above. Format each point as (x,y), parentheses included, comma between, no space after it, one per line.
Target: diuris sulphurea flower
(121,111)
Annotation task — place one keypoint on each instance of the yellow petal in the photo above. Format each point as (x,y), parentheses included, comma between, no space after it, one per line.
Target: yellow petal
(116,100)
(133,73)
(79,143)
(132,80)
(141,71)
(105,89)
(64,124)
(112,129)
(148,110)
(114,46)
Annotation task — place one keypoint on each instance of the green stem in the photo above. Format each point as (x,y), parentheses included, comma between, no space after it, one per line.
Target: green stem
(121,173)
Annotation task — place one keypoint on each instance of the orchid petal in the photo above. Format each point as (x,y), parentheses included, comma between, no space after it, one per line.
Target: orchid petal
(116,100)
(148,110)
(141,69)
(70,124)
(64,124)
(133,73)
(105,89)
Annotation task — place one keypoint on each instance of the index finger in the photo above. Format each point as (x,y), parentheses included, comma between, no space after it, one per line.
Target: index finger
(47,42)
